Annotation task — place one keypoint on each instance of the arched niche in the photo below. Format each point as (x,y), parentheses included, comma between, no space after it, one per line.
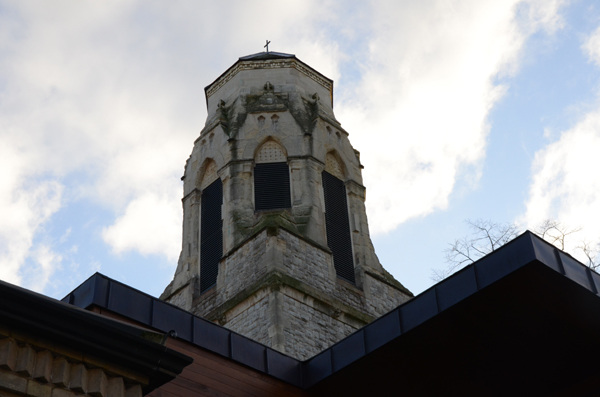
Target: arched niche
(211,225)
(208,174)
(270,151)
(337,222)
(271,177)
(335,166)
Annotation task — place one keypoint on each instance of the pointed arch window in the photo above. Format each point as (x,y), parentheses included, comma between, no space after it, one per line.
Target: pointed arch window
(211,229)
(271,178)
(337,222)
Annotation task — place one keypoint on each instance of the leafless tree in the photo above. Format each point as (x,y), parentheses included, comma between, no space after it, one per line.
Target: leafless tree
(592,253)
(488,236)
(555,233)
(558,234)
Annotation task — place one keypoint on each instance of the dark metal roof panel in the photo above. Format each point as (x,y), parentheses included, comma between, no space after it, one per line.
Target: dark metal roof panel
(527,307)
(521,320)
(99,289)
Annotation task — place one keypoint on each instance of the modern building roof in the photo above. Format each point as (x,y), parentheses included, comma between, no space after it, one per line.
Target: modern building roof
(102,292)
(522,320)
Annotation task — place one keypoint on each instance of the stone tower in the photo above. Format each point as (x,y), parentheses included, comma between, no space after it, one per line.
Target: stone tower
(276,242)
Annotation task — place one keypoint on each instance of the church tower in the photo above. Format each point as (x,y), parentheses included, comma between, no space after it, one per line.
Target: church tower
(276,242)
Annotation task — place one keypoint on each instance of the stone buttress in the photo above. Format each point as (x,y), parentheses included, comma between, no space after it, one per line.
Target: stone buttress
(276,242)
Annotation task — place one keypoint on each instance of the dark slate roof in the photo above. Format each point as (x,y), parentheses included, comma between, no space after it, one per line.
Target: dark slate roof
(522,320)
(63,325)
(266,55)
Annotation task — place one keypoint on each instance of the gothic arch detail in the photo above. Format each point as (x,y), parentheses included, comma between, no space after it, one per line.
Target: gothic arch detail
(337,222)
(271,178)
(211,233)
(270,152)
(211,224)
(209,173)
(334,166)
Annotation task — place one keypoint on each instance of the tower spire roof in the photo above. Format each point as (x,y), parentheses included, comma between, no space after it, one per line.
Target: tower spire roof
(267,55)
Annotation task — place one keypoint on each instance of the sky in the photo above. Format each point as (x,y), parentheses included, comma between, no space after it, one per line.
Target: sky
(461,110)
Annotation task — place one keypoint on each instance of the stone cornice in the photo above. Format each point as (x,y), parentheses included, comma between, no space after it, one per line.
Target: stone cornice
(268,64)
(94,337)
(30,369)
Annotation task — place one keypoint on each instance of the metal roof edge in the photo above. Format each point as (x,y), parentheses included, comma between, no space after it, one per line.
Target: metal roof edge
(528,248)
(129,302)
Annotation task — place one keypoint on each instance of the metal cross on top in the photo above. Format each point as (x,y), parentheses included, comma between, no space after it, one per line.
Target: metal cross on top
(267,45)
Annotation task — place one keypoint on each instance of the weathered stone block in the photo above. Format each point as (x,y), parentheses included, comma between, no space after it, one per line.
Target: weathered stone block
(25,361)
(8,353)
(56,392)
(78,378)
(97,384)
(36,389)
(60,372)
(12,382)
(116,388)
(43,366)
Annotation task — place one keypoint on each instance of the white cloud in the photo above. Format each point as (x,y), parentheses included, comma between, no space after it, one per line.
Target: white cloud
(543,15)
(149,225)
(565,183)
(110,95)
(96,90)
(420,116)
(45,261)
(26,205)
(591,47)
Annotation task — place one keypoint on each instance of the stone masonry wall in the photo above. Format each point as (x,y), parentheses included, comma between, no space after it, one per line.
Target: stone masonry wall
(305,310)
(319,329)
(251,318)
(290,321)
(287,254)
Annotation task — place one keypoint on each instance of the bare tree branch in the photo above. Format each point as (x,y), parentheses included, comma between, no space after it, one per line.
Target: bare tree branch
(555,233)
(591,253)
(487,236)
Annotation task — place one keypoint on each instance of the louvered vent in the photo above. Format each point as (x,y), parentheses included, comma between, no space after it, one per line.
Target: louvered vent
(271,186)
(337,223)
(211,234)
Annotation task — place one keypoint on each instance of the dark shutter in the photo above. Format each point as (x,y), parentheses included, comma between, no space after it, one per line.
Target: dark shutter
(337,224)
(271,186)
(211,234)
